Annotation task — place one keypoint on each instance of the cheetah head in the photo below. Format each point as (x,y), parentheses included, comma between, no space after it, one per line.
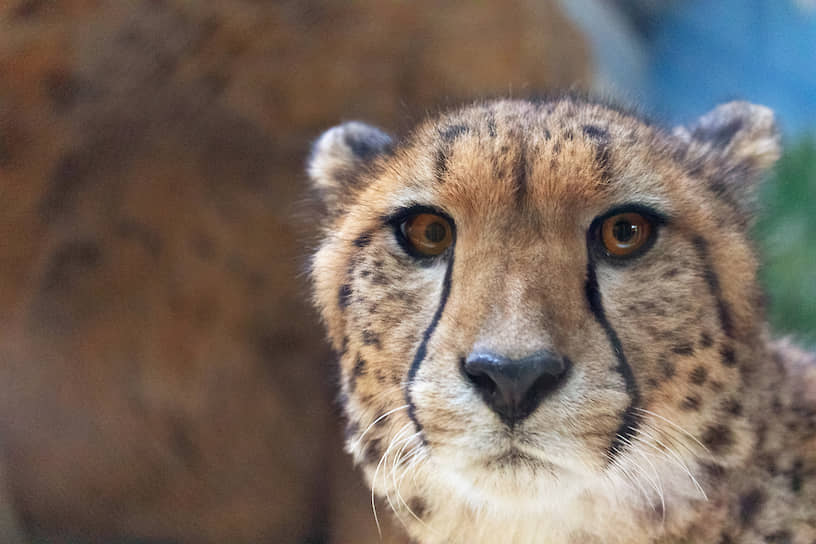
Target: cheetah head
(541,308)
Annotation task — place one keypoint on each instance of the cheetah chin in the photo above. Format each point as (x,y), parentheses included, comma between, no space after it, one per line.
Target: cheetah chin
(549,327)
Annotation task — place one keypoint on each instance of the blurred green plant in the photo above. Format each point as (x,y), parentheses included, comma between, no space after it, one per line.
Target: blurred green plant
(786,232)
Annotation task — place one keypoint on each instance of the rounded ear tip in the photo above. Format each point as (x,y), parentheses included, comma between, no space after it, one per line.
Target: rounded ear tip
(343,146)
(341,155)
(761,141)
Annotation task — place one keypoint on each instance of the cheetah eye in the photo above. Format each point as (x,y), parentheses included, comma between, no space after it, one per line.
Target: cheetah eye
(426,234)
(627,234)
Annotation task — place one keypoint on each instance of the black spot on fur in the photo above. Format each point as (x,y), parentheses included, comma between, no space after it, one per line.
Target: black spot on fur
(491,125)
(672,272)
(714,472)
(705,340)
(358,370)
(733,407)
(727,356)
(450,133)
(602,159)
(595,132)
(691,403)
(418,506)
(683,349)
(666,367)
(750,504)
(373,451)
(699,375)
(718,438)
(363,240)
(70,260)
(441,164)
(344,296)
(600,139)
(378,278)
(371,338)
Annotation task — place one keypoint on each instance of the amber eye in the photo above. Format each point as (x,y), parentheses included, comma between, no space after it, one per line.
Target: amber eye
(624,233)
(428,234)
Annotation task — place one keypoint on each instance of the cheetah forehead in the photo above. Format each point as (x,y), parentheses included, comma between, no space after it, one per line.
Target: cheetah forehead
(567,154)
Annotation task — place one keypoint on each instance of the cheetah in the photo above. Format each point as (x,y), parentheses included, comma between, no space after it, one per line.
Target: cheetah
(549,327)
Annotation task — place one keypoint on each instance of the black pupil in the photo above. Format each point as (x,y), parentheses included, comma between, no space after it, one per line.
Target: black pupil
(435,232)
(624,231)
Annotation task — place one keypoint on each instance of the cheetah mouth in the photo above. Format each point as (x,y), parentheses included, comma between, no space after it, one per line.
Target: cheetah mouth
(514,458)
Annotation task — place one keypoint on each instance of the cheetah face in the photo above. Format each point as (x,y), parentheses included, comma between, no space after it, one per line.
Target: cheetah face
(529,302)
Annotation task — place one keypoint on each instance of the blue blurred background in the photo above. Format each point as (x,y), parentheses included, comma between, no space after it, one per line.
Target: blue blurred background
(679,59)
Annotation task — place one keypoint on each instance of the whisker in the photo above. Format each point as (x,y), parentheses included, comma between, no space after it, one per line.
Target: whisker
(628,476)
(676,426)
(356,443)
(633,449)
(397,485)
(395,441)
(673,456)
(383,459)
(658,484)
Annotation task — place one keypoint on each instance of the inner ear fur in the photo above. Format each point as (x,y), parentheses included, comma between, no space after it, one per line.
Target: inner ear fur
(341,156)
(732,147)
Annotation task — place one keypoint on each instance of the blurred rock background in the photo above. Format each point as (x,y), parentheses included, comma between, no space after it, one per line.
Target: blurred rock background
(162,376)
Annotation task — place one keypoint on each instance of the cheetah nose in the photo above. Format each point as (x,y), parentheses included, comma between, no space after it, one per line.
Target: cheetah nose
(513,388)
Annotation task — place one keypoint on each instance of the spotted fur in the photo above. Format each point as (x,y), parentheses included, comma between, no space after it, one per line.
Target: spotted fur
(680,420)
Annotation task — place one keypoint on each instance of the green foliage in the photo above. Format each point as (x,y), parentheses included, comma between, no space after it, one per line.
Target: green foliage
(786,232)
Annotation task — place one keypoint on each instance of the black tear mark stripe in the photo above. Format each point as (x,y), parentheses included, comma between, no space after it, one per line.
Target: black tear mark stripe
(422,350)
(629,421)
(713,281)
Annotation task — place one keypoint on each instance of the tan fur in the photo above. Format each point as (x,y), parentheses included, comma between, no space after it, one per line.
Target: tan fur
(725,421)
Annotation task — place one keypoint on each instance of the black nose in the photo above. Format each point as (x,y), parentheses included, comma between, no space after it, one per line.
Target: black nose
(513,388)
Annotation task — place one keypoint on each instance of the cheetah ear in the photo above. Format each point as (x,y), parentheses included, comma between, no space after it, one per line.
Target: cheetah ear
(341,156)
(733,146)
